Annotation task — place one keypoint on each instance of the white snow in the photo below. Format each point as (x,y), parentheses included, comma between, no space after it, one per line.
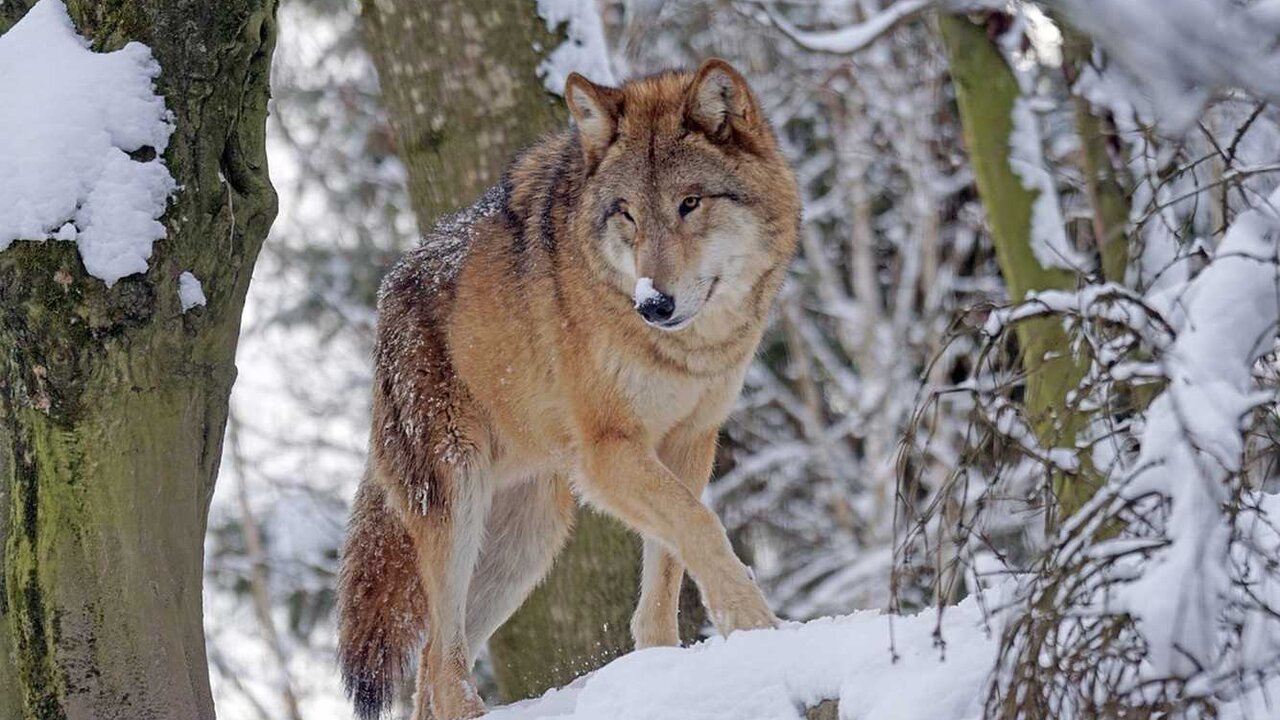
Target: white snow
(851,38)
(585,49)
(644,291)
(190,291)
(1193,441)
(1049,239)
(1184,50)
(68,119)
(775,674)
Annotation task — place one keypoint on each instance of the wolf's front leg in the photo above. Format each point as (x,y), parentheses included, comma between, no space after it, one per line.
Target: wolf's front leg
(656,620)
(689,456)
(626,479)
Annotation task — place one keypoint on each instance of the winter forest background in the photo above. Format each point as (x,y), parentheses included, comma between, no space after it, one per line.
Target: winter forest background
(880,335)
(1025,362)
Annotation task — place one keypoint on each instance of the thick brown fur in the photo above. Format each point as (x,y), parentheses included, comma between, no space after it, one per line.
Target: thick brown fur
(512,366)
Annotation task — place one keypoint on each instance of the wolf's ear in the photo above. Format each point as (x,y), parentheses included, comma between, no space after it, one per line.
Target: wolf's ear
(719,102)
(595,110)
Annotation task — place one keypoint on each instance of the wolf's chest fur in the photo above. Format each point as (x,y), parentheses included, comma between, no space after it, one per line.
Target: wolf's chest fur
(664,398)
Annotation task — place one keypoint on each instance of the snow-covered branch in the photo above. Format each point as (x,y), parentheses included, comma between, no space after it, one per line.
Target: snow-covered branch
(849,38)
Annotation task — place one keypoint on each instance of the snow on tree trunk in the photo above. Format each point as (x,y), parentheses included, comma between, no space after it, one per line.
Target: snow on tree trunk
(113,400)
(462,103)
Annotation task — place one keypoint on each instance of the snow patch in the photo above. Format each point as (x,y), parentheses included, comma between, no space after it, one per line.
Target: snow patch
(1186,50)
(69,117)
(880,667)
(850,38)
(190,291)
(1193,441)
(644,291)
(1049,239)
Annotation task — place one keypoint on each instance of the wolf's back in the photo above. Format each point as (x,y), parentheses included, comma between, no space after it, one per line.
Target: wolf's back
(381,607)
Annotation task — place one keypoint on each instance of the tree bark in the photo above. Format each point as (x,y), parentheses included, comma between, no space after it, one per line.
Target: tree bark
(985,92)
(113,401)
(1104,182)
(459,79)
(462,104)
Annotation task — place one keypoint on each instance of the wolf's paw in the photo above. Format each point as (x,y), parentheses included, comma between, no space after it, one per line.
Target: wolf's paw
(453,699)
(742,608)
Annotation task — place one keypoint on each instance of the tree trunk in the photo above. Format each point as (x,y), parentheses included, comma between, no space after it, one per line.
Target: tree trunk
(459,79)
(462,104)
(1099,142)
(113,401)
(985,92)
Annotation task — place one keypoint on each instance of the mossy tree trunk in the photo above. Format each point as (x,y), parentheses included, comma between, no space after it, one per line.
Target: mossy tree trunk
(113,402)
(986,90)
(460,82)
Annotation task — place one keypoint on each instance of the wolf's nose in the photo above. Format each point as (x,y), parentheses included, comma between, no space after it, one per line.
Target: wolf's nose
(656,308)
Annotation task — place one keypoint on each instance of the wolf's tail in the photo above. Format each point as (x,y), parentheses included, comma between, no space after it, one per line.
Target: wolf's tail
(381,607)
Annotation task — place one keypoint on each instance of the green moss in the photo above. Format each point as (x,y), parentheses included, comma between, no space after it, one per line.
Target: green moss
(12,11)
(111,24)
(28,617)
(36,667)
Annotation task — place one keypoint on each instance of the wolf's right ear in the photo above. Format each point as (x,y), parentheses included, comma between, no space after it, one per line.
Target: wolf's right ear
(719,103)
(595,110)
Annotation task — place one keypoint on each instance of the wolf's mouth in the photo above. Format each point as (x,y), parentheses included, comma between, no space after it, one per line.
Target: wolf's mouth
(677,323)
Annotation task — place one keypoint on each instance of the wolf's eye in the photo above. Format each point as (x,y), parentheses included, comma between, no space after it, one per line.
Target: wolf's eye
(619,207)
(689,204)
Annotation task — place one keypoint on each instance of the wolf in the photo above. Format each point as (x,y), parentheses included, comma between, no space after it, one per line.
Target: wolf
(581,331)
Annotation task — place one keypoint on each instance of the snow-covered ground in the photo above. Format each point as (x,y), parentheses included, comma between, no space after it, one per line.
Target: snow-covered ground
(879,667)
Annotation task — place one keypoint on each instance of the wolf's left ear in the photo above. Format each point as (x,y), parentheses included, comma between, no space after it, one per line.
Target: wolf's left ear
(719,103)
(595,110)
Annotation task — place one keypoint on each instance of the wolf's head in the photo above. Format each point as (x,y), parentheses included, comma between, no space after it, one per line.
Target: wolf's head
(689,203)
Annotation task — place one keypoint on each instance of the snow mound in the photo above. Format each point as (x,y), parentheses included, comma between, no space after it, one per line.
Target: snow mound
(776,674)
(69,117)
